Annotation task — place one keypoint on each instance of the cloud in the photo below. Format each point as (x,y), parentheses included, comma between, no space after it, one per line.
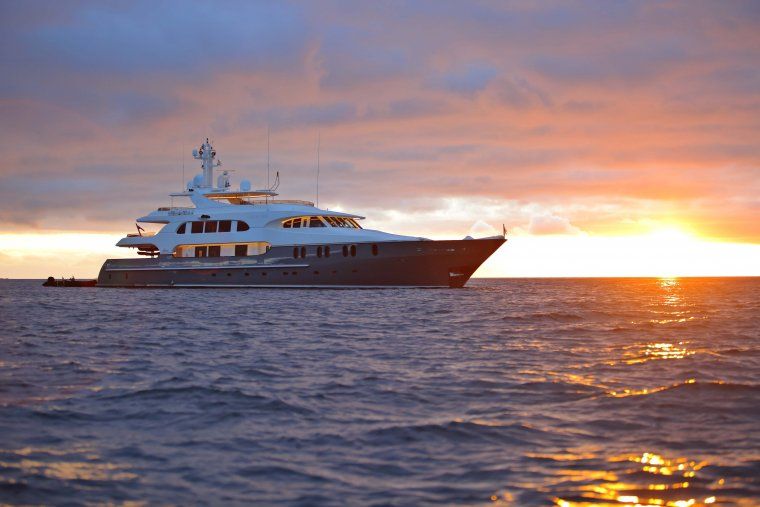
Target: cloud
(593,112)
(551,224)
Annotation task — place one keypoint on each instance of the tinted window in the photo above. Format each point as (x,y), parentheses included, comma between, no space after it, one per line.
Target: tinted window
(181,229)
(296,223)
(211,226)
(316,222)
(197,227)
(353,250)
(303,252)
(200,251)
(241,250)
(345,251)
(374,249)
(327,251)
(214,251)
(295,252)
(242,226)
(225,225)
(319,251)
(287,224)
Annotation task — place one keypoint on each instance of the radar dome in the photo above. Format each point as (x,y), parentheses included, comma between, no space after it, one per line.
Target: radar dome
(245,185)
(198,180)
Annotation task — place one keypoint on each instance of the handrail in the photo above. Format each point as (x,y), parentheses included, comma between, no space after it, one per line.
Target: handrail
(278,201)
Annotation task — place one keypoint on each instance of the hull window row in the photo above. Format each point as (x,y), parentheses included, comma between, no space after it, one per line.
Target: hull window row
(301,222)
(223,250)
(212,226)
(325,251)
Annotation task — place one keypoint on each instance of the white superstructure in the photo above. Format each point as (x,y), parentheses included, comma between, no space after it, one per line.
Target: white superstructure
(232,222)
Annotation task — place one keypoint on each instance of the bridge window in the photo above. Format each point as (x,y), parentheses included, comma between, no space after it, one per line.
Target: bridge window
(242,226)
(241,250)
(197,227)
(296,223)
(181,229)
(225,225)
(316,222)
(210,226)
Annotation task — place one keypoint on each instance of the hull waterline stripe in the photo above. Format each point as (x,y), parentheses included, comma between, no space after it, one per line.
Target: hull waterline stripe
(283,286)
(202,268)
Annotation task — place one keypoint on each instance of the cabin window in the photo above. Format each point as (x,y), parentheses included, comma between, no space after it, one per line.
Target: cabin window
(287,224)
(242,226)
(181,229)
(345,251)
(327,251)
(197,227)
(353,250)
(316,222)
(319,251)
(200,251)
(374,249)
(295,252)
(210,226)
(303,252)
(215,251)
(225,225)
(241,250)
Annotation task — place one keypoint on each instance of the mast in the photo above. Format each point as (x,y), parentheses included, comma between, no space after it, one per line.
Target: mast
(206,154)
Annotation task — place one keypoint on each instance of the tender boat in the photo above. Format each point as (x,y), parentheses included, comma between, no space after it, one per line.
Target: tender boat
(248,238)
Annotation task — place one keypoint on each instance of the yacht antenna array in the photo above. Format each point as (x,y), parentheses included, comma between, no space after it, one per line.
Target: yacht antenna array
(266,199)
(319,139)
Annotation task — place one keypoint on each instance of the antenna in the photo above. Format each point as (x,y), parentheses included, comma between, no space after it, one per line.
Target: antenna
(267,156)
(319,141)
(183,166)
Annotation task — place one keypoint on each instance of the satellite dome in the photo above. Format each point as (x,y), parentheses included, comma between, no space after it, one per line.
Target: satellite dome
(245,185)
(198,180)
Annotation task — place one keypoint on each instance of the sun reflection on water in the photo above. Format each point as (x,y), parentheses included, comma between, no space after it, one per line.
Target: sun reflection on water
(654,481)
(74,465)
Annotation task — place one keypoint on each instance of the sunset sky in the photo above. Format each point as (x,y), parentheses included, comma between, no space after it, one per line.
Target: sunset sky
(611,138)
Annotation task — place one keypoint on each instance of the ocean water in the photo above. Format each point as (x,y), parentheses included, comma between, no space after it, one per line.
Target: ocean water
(507,392)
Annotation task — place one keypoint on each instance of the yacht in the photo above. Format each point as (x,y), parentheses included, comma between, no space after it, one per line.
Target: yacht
(248,238)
